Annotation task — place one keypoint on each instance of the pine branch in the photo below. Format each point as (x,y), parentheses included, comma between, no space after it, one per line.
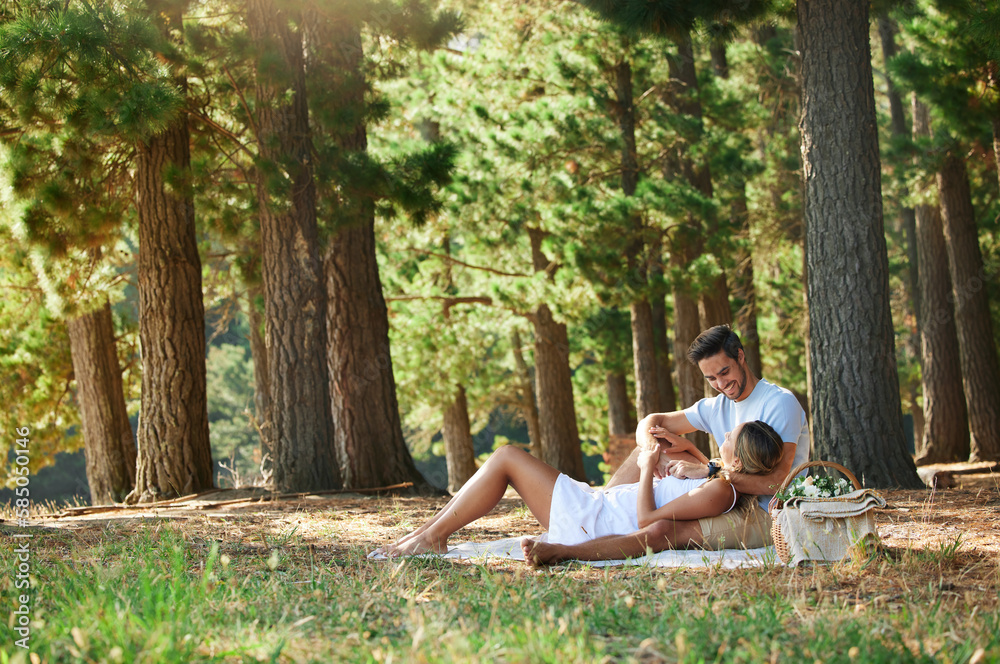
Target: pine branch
(243,101)
(222,130)
(448,300)
(464,264)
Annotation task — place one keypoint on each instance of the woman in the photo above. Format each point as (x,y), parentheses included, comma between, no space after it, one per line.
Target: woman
(573,512)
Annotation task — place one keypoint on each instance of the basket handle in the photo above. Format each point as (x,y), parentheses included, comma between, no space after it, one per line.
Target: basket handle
(829,464)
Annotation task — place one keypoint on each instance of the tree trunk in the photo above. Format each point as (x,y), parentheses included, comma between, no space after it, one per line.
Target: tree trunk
(107,434)
(556,411)
(857,419)
(553,379)
(367,430)
(366,423)
(261,381)
(664,367)
(946,423)
(996,141)
(529,404)
(175,456)
(714,299)
(686,328)
(907,222)
(620,420)
(745,294)
(295,300)
(647,389)
(459,452)
(744,290)
(976,345)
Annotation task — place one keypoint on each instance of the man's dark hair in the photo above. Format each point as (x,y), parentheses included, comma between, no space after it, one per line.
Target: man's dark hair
(712,341)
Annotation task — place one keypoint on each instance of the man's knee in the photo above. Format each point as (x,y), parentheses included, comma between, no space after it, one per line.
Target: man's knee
(642,437)
(665,534)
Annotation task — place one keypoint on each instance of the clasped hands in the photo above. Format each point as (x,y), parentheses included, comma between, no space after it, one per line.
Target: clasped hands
(652,456)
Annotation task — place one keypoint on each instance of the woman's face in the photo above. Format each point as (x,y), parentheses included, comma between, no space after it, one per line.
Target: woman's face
(728,448)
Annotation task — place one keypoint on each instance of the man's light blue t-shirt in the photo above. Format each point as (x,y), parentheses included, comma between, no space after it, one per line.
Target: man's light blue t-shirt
(769,403)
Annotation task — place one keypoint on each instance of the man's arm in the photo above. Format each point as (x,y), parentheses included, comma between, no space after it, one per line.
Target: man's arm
(763,485)
(675,422)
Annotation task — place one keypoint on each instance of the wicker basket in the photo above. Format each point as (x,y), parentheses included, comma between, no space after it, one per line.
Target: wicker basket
(780,543)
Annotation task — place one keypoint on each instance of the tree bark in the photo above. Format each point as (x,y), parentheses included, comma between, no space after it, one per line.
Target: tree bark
(556,411)
(664,366)
(857,419)
(459,452)
(907,222)
(295,300)
(366,423)
(174,456)
(977,348)
(529,404)
(996,141)
(107,434)
(745,294)
(690,380)
(647,389)
(620,420)
(946,423)
(744,291)
(367,429)
(714,299)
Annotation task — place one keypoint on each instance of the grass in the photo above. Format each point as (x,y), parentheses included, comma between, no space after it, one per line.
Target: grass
(157,593)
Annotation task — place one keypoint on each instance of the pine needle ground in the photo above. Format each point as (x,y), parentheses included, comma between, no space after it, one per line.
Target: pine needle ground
(289,582)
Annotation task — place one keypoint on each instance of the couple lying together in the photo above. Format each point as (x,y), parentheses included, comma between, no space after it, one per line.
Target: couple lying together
(667,494)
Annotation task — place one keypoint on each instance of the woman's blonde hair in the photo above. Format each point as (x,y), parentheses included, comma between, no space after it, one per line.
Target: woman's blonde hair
(757,449)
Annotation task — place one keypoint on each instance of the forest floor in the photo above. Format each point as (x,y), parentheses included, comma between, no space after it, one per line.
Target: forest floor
(966,514)
(240,575)
(964,519)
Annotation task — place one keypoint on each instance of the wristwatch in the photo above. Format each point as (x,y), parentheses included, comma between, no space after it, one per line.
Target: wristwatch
(713,468)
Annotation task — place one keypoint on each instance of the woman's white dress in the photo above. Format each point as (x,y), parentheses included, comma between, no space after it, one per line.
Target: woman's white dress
(580,512)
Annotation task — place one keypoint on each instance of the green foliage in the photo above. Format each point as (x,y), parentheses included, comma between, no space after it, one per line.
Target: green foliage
(232,427)
(93,68)
(670,17)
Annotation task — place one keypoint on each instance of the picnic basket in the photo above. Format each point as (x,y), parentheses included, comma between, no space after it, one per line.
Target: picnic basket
(814,528)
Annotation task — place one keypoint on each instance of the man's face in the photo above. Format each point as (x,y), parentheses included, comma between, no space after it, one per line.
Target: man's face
(725,374)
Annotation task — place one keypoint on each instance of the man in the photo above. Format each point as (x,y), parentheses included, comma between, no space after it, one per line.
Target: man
(742,397)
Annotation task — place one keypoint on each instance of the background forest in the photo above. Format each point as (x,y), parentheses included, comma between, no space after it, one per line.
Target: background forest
(360,243)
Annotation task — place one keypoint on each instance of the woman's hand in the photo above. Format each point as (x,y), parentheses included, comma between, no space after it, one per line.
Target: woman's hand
(648,460)
(687,470)
(669,441)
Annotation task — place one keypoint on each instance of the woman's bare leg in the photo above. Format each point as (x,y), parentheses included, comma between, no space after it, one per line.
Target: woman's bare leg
(533,480)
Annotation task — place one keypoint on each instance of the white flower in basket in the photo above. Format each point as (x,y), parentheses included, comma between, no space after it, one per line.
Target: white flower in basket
(820,518)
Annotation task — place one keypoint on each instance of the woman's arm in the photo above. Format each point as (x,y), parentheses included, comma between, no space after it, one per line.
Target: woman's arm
(676,447)
(710,499)
(646,502)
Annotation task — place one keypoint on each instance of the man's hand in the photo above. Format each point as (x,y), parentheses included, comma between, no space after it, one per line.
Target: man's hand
(669,441)
(687,470)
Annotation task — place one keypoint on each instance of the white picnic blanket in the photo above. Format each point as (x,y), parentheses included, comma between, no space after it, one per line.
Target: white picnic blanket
(510,549)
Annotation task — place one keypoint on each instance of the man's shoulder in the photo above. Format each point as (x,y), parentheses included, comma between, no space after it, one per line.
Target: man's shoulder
(780,396)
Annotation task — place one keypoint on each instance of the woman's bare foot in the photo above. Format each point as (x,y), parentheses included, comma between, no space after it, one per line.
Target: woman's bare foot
(538,553)
(414,545)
